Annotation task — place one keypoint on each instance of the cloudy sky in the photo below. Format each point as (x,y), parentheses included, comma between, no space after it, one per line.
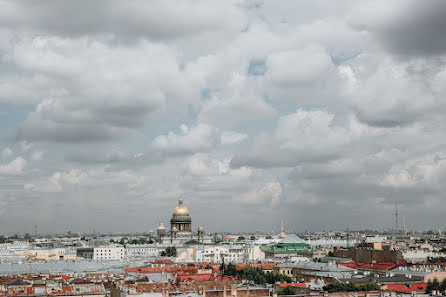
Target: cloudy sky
(321,113)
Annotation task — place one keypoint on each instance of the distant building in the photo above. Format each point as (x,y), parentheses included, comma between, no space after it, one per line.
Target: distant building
(143,250)
(289,246)
(161,230)
(108,253)
(86,253)
(181,228)
(59,254)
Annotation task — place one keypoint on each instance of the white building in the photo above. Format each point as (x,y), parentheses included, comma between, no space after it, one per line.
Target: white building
(58,254)
(143,250)
(375,239)
(254,253)
(108,253)
(231,253)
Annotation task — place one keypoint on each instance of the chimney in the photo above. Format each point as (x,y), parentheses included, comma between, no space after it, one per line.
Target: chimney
(165,292)
(234,291)
(224,290)
(247,290)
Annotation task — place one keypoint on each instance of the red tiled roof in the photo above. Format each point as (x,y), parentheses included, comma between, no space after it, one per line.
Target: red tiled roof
(162,261)
(202,277)
(384,266)
(162,269)
(406,288)
(265,266)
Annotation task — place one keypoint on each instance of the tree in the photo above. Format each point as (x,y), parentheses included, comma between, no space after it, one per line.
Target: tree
(241,238)
(350,287)
(429,287)
(253,237)
(443,285)
(286,291)
(435,284)
(231,270)
(171,251)
(269,237)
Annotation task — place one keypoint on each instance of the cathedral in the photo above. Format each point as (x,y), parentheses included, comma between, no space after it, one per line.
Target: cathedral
(181,229)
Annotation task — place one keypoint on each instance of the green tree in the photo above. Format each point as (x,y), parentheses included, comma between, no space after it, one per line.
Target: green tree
(253,237)
(171,251)
(369,287)
(241,238)
(429,287)
(286,291)
(350,287)
(231,270)
(443,285)
(435,284)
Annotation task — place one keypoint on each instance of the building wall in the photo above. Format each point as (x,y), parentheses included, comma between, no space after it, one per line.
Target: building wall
(254,253)
(142,250)
(234,292)
(108,253)
(369,255)
(439,275)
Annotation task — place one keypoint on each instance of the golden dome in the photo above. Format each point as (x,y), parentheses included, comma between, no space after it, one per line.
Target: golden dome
(180,210)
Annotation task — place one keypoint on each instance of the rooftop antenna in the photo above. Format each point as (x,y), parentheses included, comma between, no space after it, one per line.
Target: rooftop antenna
(396,216)
(348,238)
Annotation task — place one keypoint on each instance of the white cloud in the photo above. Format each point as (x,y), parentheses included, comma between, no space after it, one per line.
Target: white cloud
(37,155)
(231,137)
(294,68)
(268,194)
(298,137)
(15,167)
(189,140)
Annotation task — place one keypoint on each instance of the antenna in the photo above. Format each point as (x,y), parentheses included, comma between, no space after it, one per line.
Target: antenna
(396,216)
(35,230)
(348,238)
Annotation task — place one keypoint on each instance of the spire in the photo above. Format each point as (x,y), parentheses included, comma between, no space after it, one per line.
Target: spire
(180,201)
(282,231)
(404,226)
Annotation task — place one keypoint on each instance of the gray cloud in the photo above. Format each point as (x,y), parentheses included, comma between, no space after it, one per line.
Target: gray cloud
(260,110)
(157,19)
(405,27)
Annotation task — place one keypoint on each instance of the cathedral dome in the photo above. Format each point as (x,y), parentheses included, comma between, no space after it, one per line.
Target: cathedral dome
(180,210)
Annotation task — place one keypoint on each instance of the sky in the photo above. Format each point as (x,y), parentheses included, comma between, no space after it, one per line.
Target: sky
(321,113)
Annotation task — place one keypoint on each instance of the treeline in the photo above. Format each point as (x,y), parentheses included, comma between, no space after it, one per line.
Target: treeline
(342,287)
(257,275)
(435,286)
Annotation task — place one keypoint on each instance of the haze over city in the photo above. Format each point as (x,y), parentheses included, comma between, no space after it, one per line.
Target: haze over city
(323,114)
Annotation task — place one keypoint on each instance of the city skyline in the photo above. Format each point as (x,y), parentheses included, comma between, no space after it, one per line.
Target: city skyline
(322,114)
